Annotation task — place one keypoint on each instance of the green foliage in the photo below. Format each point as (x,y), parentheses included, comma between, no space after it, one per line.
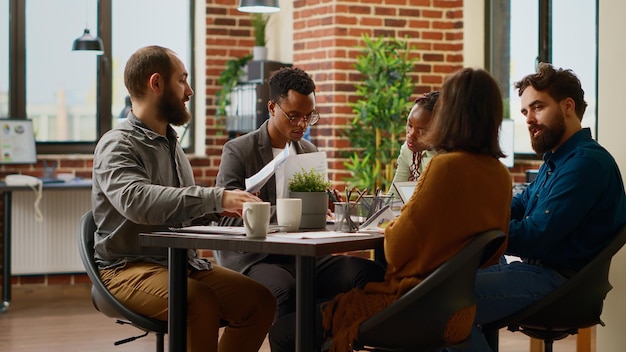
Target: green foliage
(384,103)
(361,170)
(228,79)
(259,22)
(308,181)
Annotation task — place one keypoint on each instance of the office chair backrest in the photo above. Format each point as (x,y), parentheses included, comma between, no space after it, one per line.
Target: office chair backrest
(102,299)
(578,302)
(574,305)
(420,319)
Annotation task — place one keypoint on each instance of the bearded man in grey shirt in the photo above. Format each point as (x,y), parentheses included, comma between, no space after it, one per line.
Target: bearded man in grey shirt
(143,182)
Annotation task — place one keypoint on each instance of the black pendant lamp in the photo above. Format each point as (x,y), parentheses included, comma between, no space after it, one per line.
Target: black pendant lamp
(259,6)
(88,42)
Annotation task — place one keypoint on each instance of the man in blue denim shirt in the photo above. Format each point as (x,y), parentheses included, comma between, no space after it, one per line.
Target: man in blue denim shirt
(566,215)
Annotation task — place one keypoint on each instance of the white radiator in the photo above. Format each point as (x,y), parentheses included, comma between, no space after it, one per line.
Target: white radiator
(50,246)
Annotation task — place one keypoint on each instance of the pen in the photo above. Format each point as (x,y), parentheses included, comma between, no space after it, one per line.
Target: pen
(330,195)
(336,195)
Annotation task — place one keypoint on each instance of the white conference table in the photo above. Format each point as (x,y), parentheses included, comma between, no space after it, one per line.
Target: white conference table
(305,251)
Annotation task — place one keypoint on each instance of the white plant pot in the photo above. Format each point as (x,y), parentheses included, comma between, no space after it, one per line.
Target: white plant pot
(259,53)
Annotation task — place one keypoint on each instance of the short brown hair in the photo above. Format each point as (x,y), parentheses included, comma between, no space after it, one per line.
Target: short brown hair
(144,63)
(559,84)
(468,114)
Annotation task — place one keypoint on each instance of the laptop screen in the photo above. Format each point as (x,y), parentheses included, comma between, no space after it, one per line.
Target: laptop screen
(405,189)
(17,142)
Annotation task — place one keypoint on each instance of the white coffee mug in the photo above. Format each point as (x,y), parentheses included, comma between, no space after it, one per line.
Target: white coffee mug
(289,213)
(256,218)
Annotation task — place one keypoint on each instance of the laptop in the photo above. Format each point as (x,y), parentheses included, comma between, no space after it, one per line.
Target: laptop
(404,189)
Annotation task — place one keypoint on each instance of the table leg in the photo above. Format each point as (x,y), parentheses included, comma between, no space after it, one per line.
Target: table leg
(305,303)
(6,251)
(177,300)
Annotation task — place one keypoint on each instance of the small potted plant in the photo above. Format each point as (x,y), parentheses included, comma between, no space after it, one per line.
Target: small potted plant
(310,186)
(259,23)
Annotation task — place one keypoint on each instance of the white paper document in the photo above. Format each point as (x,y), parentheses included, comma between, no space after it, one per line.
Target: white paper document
(307,161)
(292,164)
(377,221)
(258,180)
(317,234)
(214,230)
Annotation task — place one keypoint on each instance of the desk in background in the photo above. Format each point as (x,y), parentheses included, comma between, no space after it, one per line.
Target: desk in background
(304,250)
(7,193)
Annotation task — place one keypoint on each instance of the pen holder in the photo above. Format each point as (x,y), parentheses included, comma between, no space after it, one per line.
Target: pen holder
(348,216)
(372,204)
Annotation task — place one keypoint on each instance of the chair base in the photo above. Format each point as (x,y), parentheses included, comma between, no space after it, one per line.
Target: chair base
(160,343)
(547,336)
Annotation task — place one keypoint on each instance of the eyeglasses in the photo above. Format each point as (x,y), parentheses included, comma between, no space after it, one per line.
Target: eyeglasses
(310,119)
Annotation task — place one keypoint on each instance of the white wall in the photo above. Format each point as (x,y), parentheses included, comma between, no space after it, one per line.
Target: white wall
(474,34)
(199,53)
(280,33)
(611,129)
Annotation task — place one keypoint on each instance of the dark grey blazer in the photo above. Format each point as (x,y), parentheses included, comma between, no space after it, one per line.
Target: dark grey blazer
(243,157)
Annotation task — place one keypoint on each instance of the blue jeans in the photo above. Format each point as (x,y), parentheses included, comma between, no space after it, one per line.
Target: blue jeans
(504,289)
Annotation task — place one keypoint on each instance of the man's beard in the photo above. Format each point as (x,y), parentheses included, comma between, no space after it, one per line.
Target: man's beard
(173,110)
(550,136)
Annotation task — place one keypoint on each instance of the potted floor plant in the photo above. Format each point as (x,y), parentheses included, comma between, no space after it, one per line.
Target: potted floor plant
(310,186)
(384,100)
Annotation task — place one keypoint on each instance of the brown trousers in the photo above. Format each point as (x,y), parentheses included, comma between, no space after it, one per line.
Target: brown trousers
(213,295)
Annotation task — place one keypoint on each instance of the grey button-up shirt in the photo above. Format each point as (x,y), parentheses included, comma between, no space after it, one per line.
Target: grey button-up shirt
(143,182)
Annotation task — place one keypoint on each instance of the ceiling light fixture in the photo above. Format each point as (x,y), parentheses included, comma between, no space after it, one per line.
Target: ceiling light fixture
(88,42)
(259,6)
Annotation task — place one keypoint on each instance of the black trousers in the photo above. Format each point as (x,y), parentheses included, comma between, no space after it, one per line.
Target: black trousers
(335,274)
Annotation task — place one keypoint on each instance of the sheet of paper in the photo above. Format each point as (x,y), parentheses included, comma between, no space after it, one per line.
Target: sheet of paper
(318,234)
(306,161)
(378,221)
(215,230)
(258,180)
(221,230)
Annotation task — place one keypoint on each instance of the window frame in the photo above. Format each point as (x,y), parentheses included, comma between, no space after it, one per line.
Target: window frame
(544,49)
(104,90)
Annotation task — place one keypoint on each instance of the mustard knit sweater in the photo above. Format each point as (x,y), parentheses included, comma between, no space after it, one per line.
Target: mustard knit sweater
(458,195)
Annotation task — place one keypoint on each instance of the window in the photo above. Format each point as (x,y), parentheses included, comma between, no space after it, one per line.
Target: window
(522,33)
(130,32)
(60,84)
(74,97)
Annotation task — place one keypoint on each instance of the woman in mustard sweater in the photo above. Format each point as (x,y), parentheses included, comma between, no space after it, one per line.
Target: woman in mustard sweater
(464,190)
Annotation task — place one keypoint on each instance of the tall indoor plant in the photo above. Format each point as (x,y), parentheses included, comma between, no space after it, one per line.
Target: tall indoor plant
(384,102)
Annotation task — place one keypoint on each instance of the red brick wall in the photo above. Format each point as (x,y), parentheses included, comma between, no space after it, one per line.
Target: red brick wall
(326,35)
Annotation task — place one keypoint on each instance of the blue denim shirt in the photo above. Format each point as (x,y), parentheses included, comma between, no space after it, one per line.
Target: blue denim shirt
(572,209)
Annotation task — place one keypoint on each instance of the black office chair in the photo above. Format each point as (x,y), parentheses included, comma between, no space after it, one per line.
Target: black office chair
(418,320)
(102,299)
(577,304)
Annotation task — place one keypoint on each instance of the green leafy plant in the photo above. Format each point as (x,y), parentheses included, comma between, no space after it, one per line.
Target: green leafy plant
(259,23)
(308,181)
(228,79)
(384,102)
